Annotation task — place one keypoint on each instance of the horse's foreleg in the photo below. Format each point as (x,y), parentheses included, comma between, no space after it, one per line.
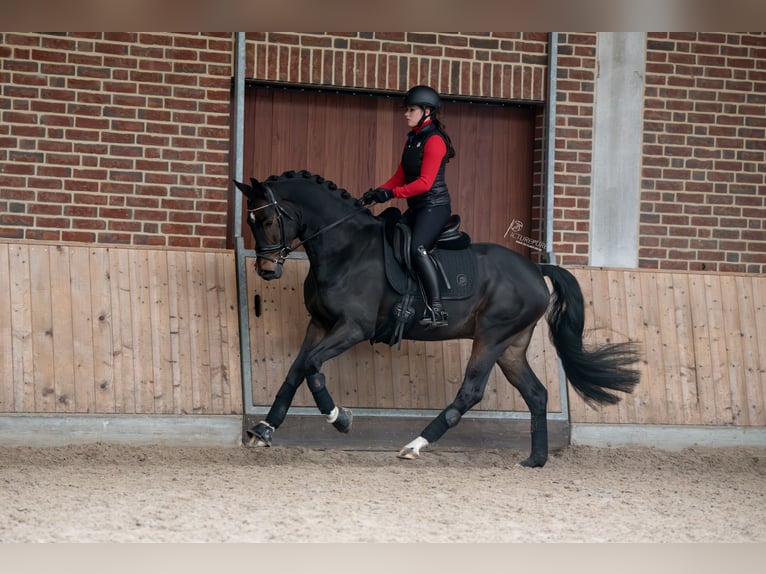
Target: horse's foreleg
(516,369)
(470,393)
(261,434)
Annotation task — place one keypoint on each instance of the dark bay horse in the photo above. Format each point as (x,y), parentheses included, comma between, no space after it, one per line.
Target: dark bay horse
(349,299)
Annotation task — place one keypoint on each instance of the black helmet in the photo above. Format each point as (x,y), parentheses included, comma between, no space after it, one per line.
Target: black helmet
(423,96)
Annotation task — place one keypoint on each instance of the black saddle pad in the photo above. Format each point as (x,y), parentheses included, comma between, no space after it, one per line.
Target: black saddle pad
(459,267)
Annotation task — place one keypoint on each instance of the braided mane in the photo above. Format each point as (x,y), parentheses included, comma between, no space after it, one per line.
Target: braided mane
(325,184)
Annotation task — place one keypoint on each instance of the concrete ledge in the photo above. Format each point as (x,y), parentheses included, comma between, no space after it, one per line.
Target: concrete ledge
(666,437)
(62,430)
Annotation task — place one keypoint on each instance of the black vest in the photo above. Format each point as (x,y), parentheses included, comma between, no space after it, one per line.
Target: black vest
(412,160)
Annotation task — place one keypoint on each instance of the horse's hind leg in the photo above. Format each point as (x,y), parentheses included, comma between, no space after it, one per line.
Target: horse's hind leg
(513,363)
(470,393)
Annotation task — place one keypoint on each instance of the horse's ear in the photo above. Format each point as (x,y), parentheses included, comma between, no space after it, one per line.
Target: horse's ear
(244,188)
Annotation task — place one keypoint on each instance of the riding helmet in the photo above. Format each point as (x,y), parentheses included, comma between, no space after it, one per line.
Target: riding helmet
(423,96)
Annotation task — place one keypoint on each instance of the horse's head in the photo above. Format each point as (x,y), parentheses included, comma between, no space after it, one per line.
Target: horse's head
(273,228)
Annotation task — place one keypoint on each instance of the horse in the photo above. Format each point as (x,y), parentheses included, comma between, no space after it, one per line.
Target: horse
(350,300)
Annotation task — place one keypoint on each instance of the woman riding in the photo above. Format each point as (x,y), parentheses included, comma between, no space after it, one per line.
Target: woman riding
(420,179)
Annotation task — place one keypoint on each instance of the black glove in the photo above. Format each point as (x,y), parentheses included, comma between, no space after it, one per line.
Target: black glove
(379,195)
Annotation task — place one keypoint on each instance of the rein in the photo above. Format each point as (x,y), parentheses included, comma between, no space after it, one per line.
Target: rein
(284,249)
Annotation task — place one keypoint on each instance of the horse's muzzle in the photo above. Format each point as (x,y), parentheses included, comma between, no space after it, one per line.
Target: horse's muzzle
(268,270)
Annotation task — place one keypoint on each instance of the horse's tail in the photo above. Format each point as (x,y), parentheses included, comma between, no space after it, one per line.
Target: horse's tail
(592,372)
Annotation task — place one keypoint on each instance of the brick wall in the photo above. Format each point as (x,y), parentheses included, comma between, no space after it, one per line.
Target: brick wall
(493,64)
(703,188)
(124,137)
(115,137)
(575,87)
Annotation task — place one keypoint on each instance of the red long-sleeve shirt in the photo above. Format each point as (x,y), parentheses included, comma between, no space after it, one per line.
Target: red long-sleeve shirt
(433,153)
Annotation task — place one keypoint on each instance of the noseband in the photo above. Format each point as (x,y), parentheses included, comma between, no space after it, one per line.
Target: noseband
(282,249)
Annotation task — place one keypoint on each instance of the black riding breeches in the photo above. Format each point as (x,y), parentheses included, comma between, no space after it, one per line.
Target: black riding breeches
(426,224)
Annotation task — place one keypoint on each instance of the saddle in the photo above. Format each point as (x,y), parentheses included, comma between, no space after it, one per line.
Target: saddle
(451,254)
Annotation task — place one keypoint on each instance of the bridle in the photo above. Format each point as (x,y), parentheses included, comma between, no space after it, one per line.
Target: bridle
(282,249)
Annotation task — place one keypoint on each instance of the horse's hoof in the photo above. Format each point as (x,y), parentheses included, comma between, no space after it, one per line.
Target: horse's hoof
(343,422)
(408,453)
(260,435)
(533,462)
(411,451)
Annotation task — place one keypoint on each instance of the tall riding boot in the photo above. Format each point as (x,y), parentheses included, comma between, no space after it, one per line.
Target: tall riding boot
(434,314)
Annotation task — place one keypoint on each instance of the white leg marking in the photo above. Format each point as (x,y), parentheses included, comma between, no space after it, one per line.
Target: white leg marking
(333,416)
(412,450)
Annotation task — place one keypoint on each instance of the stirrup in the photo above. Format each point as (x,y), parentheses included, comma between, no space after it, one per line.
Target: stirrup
(434,316)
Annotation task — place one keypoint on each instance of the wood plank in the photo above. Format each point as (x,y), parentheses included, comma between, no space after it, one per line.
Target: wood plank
(759,319)
(42,330)
(634,319)
(671,365)
(751,388)
(656,407)
(262,393)
(603,331)
(180,333)
(701,343)
(62,333)
(232,380)
(718,353)
(619,328)
(198,327)
(141,319)
(122,331)
(102,329)
(6,334)
(731,299)
(382,356)
(21,328)
(685,349)
(82,328)
(214,318)
(162,371)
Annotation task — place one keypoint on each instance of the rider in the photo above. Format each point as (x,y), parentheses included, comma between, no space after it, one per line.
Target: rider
(420,179)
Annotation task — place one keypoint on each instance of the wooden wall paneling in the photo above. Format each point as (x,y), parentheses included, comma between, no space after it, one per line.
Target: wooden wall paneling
(199,328)
(687,380)
(215,318)
(141,321)
(381,365)
(759,326)
(42,330)
(635,403)
(751,389)
(232,392)
(102,327)
(701,344)
(259,383)
(82,330)
(6,333)
(19,275)
(656,408)
(671,360)
(619,330)
(159,295)
(61,329)
(181,323)
(718,353)
(731,300)
(122,330)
